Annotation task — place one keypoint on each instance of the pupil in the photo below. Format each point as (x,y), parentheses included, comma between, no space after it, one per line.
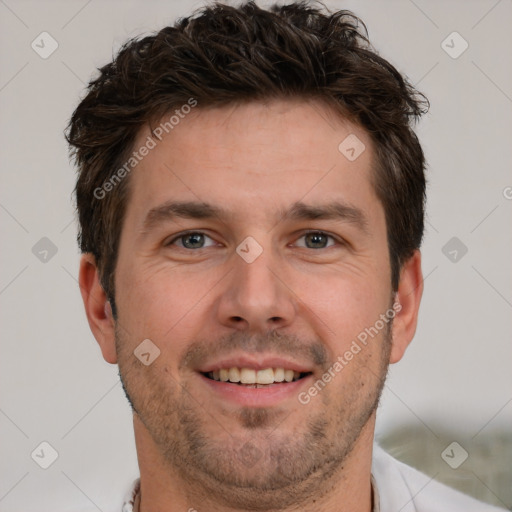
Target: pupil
(196,239)
(316,238)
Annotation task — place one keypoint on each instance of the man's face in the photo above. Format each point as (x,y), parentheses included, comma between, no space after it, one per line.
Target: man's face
(262,283)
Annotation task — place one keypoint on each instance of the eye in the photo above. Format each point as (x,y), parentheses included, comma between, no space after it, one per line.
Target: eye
(190,240)
(197,239)
(316,240)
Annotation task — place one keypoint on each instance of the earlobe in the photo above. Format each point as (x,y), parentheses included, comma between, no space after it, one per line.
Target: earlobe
(97,307)
(408,297)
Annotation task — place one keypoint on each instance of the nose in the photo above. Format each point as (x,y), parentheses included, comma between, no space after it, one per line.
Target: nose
(255,296)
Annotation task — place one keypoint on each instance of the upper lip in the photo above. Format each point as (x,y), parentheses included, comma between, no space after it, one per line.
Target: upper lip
(254,362)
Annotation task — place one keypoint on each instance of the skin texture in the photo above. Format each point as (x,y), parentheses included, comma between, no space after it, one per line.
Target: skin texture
(301,299)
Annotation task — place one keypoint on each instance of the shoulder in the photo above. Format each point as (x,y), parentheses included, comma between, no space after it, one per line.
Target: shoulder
(401,487)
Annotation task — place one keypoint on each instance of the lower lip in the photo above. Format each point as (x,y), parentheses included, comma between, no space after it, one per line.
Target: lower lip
(268,396)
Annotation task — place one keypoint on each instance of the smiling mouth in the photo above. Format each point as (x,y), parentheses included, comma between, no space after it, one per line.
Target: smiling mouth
(251,378)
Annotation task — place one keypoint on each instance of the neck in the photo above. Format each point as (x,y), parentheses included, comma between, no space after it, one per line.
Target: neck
(164,489)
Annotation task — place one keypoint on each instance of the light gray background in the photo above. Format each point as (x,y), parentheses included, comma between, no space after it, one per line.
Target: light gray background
(454,383)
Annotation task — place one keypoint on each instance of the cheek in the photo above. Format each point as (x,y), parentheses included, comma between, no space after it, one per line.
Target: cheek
(162,304)
(345,307)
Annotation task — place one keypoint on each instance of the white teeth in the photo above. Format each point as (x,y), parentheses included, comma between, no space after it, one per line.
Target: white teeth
(288,375)
(249,376)
(278,374)
(234,375)
(265,376)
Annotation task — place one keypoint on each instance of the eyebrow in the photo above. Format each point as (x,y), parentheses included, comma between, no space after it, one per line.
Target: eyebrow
(180,209)
(335,210)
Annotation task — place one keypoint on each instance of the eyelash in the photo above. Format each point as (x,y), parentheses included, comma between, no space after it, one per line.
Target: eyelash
(305,233)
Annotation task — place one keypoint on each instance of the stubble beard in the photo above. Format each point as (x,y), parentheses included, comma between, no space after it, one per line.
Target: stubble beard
(252,462)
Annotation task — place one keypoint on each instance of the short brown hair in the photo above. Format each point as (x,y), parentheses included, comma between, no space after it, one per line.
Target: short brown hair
(224,54)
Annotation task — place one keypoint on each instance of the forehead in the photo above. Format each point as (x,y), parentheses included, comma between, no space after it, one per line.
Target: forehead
(255,156)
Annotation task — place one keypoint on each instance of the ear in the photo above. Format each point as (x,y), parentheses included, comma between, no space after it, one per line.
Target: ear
(407,303)
(97,307)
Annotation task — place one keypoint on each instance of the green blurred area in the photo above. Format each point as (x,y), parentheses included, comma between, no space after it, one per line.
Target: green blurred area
(486,474)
